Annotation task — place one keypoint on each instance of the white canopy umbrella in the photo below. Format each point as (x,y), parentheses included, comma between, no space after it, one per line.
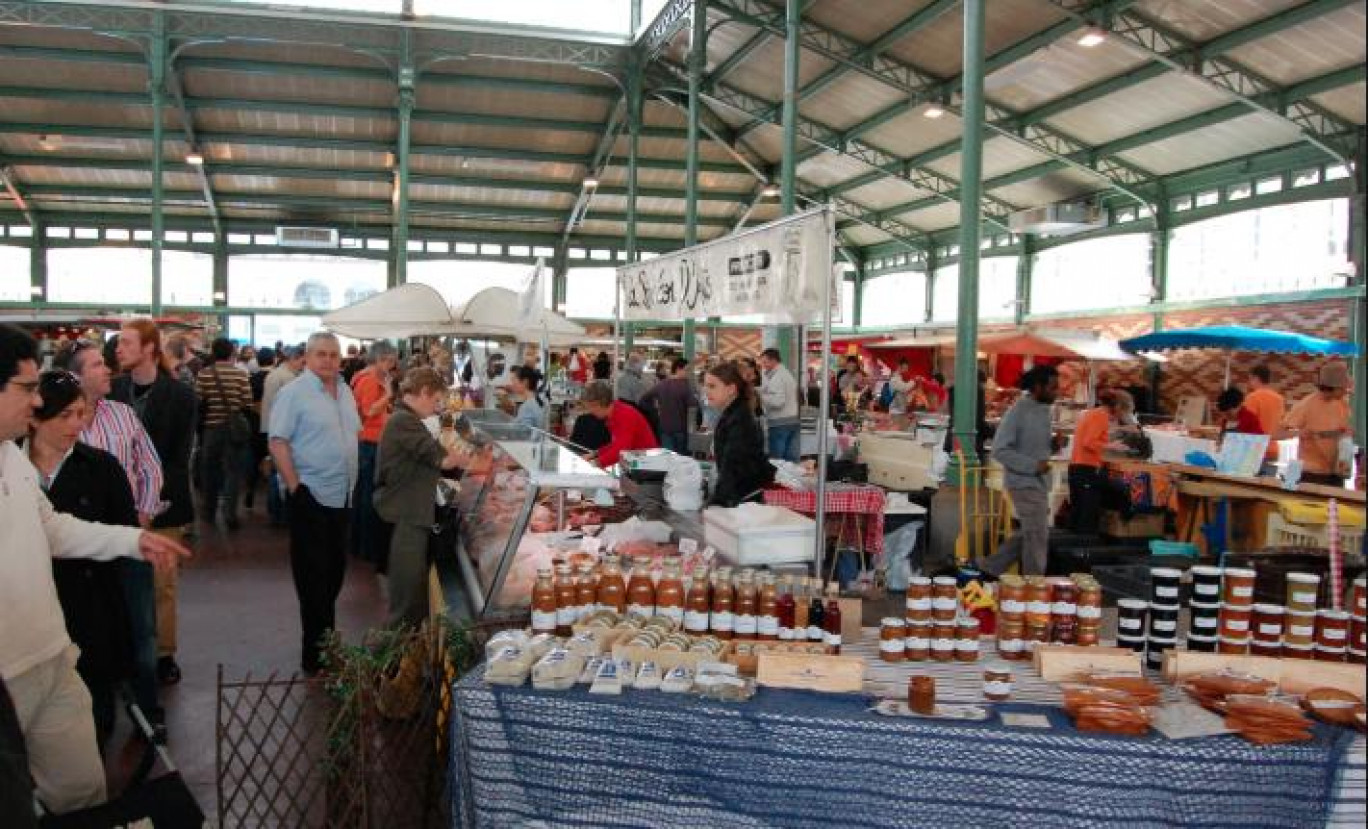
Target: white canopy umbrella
(416,310)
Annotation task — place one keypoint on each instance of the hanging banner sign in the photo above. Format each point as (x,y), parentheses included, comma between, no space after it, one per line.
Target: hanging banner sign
(775,270)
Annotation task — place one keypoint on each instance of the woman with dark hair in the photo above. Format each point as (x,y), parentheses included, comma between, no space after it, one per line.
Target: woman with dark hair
(525,383)
(409,463)
(750,372)
(88,483)
(738,444)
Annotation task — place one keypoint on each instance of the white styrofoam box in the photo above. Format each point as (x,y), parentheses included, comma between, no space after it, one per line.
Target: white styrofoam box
(752,535)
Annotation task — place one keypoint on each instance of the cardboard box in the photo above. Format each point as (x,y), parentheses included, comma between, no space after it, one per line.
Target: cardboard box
(1148,525)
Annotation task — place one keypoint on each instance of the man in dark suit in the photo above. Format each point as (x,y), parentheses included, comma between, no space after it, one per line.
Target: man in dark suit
(168,410)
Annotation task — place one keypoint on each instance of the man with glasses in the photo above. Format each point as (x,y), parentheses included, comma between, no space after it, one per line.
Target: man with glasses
(313,431)
(37,659)
(115,428)
(168,411)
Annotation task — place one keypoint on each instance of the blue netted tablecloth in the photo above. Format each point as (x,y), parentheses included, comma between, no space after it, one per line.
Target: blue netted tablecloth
(528,758)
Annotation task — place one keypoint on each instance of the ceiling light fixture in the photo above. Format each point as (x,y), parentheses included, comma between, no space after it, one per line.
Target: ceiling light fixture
(933,112)
(1091,38)
(770,191)
(194,158)
(591,183)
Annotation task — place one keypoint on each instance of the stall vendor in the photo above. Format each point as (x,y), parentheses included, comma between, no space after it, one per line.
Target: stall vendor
(1236,416)
(1092,437)
(1319,421)
(738,444)
(626,424)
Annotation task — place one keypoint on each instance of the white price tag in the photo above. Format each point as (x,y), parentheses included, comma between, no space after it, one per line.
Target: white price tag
(709,553)
(590,545)
(688,546)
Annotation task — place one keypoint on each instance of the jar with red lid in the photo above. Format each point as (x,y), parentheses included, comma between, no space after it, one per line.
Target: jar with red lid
(893,640)
(1332,629)
(1090,603)
(997,682)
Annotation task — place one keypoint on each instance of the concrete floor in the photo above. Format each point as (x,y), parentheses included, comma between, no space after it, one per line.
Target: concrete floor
(237,610)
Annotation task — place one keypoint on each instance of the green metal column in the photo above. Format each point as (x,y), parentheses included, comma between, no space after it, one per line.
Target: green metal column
(1025,270)
(636,18)
(698,60)
(407,79)
(964,418)
(220,294)
(559,275)
(38,285)
(1159,262)
(857,309)
(931,264)
(1358,252)
(156,85)
(634,105)
(784,339)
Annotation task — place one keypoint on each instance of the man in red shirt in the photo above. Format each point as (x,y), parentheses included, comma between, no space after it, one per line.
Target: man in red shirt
(626,424)
(373,391)
(1236,416)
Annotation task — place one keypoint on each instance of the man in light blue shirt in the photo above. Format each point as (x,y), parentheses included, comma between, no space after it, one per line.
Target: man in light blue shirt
(313,431)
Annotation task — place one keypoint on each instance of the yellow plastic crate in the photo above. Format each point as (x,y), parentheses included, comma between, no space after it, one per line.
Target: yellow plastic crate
(1316,513)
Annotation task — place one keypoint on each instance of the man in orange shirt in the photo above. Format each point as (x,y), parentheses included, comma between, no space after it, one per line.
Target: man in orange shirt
(1092,437)
(1267,405)
(373,390)
(1319,420)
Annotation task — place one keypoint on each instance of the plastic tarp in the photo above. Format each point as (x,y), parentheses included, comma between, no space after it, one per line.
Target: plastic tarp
(1240,338)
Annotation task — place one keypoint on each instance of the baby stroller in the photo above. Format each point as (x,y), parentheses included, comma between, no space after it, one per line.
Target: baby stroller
(165,800)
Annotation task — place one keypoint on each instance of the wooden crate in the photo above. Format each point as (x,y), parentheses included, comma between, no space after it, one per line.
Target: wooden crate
(832,674)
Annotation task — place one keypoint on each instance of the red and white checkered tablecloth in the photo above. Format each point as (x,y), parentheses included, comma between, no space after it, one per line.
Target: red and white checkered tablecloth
(864,500)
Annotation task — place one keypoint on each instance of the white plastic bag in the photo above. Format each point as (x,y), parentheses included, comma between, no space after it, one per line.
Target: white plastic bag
(683,488)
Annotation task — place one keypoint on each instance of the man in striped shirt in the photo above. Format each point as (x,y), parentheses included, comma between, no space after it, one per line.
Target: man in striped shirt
(224,391)
(115,428)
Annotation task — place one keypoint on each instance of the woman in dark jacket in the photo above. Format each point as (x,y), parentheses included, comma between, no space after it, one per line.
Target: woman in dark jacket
(88,483)
(409,463)
(738,444)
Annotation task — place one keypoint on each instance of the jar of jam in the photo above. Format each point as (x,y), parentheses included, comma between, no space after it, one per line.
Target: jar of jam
(612,590)
(892,640)
(945,599)
(1087,637)
(767,609)
(1303,590)
(1037,601)
(697,603)
(1332,629)
(722,621)
(1012,649)
(1236,620)
(997,682)
(1324,654)
(1234,646)
(1299,629)
(943,642)
(921,695)
(1267,624)
(784,607)
(641,589)
(567,608)
(1238,586)
(1090,602)
(669,593)
(918,643)
(1011,599)
(544,602)
(967,628)
(1358,598)
(967,650)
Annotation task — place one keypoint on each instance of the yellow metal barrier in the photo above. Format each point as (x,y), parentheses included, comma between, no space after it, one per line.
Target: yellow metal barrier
(985,513)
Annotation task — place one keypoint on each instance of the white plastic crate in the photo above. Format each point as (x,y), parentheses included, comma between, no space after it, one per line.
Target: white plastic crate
(756,535)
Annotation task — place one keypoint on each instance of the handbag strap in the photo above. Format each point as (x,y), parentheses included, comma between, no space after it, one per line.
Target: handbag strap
(218,388)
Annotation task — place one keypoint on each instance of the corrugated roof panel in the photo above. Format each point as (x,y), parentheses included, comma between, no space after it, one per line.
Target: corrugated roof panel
(59,113)
(850,100)
(865,235)
(937,47)
(293,186)
(466,135)
(865,21)
(119,148)
(486,100)
(79,76)
(1205,20)
(708,150)
(306,54)
(936,217)
(285,124)
(1000,155)
(282,86)
(1060,68)
(913,133)
(762,75)
(650,204)
(494,196)
(1347,102)
(1329,42)
(287,156)
(885,193)
(829,169)
(1231,139)
(456,167)
(1144,106)
(78,177)
(1060,185)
